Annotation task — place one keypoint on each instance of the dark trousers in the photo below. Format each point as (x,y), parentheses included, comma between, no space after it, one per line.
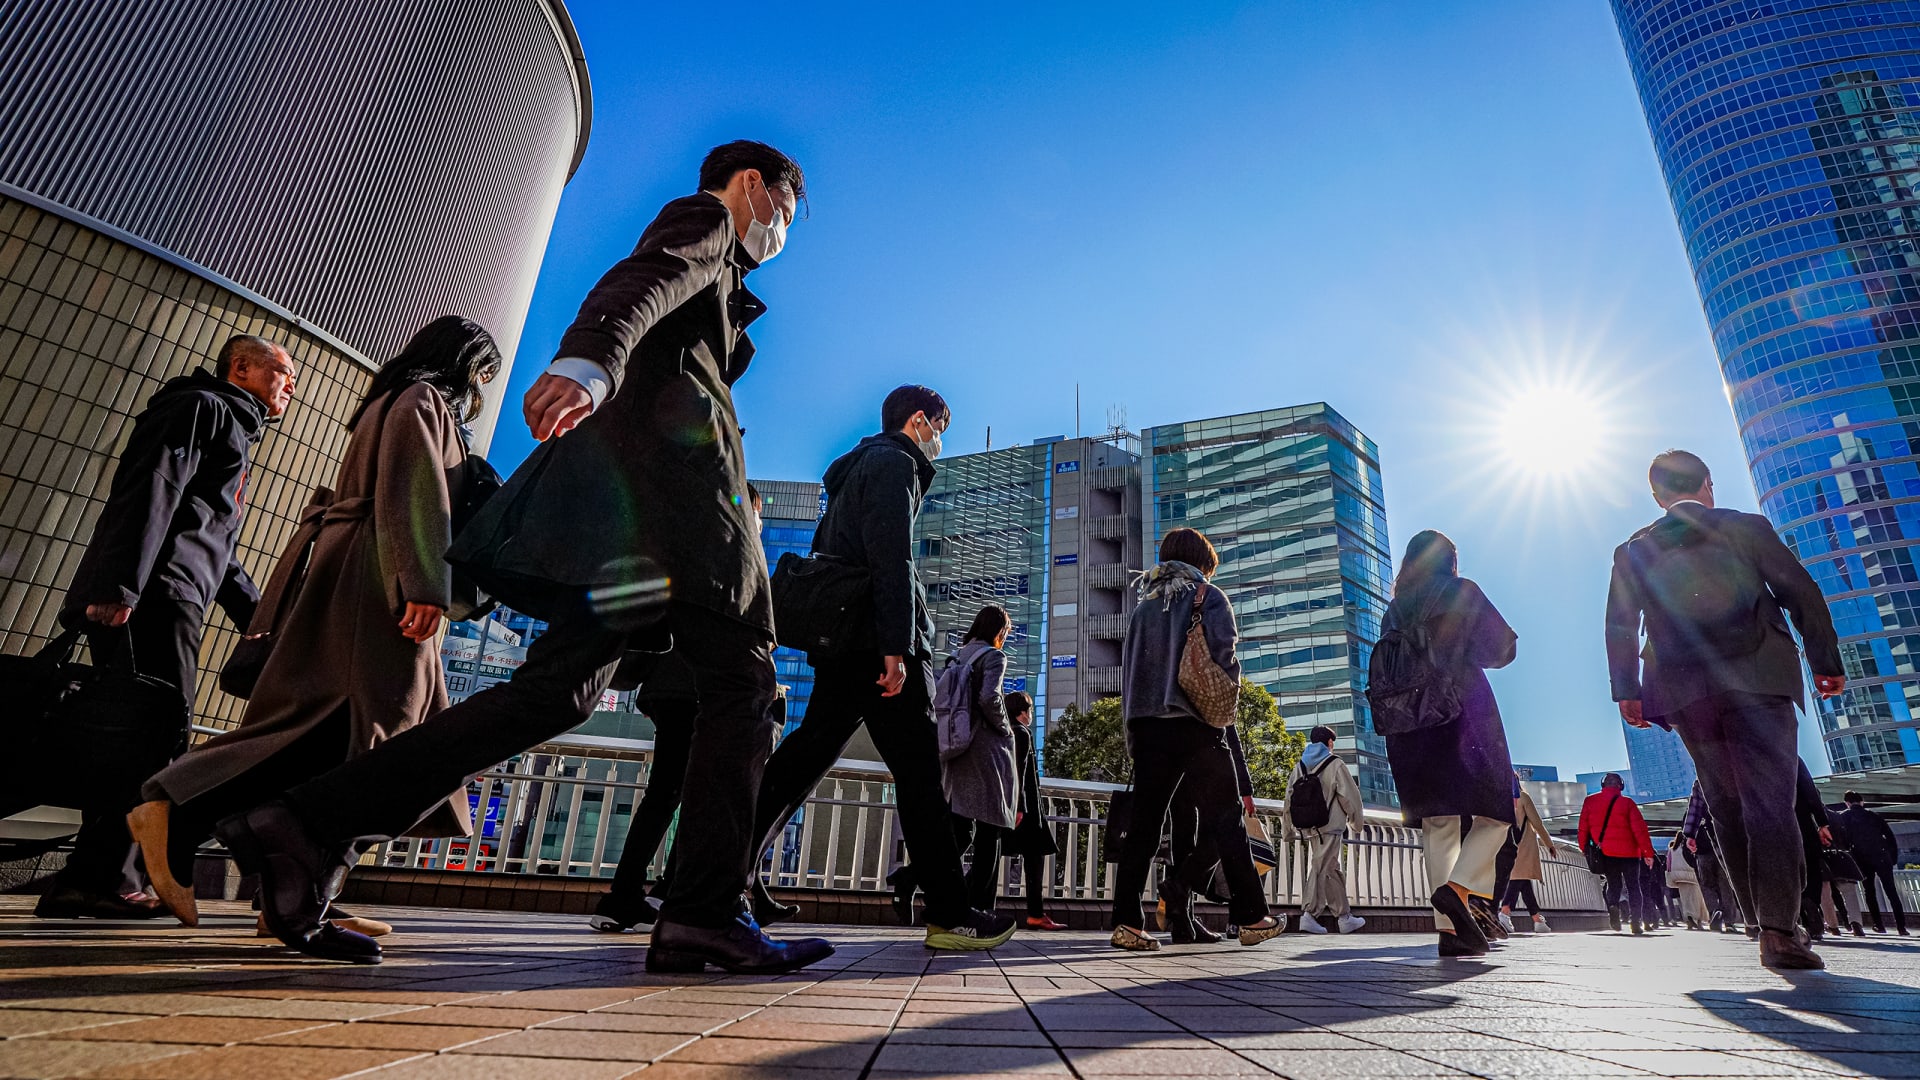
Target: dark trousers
(1882,873)
(1713,882)
(983,873)
(1032,868)
(1503,864)
(846,695)
(383,792)
(1623,887)
(1745,748)
(1192,852)
(1653,893)
(1171,753)
(164,638)
(1517,890)
(674,723)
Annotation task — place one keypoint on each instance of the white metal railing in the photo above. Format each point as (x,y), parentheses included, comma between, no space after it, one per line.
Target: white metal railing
(564,814)
(1908,882)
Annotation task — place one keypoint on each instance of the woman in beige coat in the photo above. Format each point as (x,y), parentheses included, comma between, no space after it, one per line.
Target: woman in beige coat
(355,609)
(1534,840)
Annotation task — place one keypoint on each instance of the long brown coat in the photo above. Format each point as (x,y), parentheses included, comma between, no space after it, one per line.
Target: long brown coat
(1534,839)
(378,544)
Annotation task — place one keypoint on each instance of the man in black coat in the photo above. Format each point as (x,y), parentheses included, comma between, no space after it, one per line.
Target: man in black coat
(1721,669)
(635,527)
(873,499)
(161,554)
(1703,852)
(1876,849)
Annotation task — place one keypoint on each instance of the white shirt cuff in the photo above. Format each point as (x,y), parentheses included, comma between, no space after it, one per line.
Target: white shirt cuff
(586,373)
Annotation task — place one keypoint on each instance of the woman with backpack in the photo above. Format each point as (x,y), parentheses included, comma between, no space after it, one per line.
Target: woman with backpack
(1172,741)
(1457,770)
(353,614)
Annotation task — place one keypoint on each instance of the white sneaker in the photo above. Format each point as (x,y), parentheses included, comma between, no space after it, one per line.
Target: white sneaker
(1350,922)
(1540,925)
(1311,925)
(1506,922)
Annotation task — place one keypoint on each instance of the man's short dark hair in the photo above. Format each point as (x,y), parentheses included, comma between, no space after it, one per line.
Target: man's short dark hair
(1612,779)
(1678,472)
(723,161)
(251,346)
(1192,547)
(1322,733)
(907,400)
(1852,797)
(1018,702)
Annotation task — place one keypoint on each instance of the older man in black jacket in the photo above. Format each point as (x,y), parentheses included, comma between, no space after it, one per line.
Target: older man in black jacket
(1876,849)
(162,553)
(1709,585)
(638,525)
(873,500)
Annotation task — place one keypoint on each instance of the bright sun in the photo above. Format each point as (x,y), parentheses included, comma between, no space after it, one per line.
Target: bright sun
(1550,431)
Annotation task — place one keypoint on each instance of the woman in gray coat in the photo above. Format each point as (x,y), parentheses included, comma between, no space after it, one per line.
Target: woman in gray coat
(355,619)
(982,784)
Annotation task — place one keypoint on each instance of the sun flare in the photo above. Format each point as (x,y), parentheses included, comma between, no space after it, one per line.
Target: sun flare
(1551,430)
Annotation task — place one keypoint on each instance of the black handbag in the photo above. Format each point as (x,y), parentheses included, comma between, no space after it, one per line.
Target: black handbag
(822,605)
(1839,865)
(111,727)
(1597,859)
(483,482)
(1113,835)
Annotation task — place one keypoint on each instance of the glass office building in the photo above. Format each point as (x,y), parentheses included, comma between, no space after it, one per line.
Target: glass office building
(1292,500)
(1789,135)
(789,512)
(1660,765)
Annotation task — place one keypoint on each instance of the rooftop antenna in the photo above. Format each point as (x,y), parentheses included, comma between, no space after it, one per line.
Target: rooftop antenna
(989,436)
(1076,410)
(1116,419)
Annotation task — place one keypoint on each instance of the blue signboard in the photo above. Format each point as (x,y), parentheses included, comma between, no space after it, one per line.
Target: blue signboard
(1010,685)
(1065,560)
(1067,466)
(1068,660)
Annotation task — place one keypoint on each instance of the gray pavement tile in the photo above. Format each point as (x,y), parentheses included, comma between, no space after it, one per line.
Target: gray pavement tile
(772,1052)
(1287,1040)
(1695,1062)
(1159,1062)
(1523,1064)
(580,1045)
(461,1067)
(1902,1066)
(44,1059)
(949,1060)
(1346,1064)
(944,1036)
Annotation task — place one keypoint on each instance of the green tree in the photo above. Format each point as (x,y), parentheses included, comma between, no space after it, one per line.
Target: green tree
(1272,751)
(1092,744)
(1089,745)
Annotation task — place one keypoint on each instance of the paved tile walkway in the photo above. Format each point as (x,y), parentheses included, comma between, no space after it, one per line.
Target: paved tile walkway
(473,994)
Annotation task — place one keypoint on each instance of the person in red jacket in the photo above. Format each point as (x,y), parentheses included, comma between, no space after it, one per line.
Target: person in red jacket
(1612,822)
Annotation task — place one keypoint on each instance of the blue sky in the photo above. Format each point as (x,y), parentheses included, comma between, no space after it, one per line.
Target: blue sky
(1412,210)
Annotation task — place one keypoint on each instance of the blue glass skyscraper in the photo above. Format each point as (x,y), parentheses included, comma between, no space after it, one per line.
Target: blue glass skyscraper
(1789,134)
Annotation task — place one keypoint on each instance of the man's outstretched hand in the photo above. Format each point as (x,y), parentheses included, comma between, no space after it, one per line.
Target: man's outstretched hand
(1829,685)
(555,405)
(1630,712)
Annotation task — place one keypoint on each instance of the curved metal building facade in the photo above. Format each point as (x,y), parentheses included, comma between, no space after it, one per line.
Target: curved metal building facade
(331,174)
(1789,134)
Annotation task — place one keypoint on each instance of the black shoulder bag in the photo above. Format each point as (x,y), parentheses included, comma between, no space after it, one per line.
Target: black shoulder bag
(822,604)
(1597,859)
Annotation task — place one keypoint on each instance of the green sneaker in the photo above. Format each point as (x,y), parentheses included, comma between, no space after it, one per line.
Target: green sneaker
(979,930)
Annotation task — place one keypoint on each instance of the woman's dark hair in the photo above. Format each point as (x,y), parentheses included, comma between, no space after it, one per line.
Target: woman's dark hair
(987,625)
(1431,559)
(451,354)
(907,400)
(1018,702)
(723,161)
(1192,547)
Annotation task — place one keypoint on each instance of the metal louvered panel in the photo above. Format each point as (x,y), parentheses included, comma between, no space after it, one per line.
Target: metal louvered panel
(367,164)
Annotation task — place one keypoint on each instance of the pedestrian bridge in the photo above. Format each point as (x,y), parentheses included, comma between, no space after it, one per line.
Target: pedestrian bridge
(510,995)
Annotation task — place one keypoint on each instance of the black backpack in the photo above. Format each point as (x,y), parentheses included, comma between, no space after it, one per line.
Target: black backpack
(1306,804)
(1406,688)
(1702,600)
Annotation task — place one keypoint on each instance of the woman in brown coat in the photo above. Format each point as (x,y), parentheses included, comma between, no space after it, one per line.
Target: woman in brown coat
(355,618)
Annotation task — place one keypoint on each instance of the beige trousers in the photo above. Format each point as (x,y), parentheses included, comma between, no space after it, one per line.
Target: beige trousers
(1326,885)
(1466,861)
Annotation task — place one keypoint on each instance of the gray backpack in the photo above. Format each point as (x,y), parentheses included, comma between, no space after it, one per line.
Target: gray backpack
(953,697)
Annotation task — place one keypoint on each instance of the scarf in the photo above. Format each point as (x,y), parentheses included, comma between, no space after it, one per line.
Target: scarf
(1169,581)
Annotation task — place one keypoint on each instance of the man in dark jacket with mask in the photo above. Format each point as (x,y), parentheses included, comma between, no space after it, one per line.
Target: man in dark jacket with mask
(873,500)
(1876,849)
(161,554)
(1721,668)
(635,528)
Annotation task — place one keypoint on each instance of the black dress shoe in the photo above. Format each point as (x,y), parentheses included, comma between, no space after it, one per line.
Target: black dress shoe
(738,947)
(902,882)
(767,910)
(1179,917)
(295,876)
(1613,917)
(67,902)
(1451,945)
(1448,903)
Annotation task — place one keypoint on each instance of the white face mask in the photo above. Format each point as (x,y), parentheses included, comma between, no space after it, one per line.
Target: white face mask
(929,446)
(764,239)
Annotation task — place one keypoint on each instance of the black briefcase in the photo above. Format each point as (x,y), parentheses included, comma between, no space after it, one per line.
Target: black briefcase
(1838,864)
(1113,836)
(87,737)
(822,605)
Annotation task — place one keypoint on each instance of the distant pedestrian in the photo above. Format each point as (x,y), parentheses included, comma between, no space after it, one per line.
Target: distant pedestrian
(1533,843)
(1702,851)
(1685,881)
(1612,822)
(1321,812)
(161,553)
(1032,837)
(1708,588)
(353,611)
(1816,835)
(1455,778)
(1877,850)
(1173,746)
(873,495)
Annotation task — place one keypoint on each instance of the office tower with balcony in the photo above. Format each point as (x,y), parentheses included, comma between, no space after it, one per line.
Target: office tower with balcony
(1789,136)
(1292,500)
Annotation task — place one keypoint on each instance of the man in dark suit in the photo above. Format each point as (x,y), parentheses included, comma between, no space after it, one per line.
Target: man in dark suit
(1709,586)
(1876,849)
(636,528)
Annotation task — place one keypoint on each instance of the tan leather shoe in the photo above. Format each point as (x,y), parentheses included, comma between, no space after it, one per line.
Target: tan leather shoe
(1784,952)
(148,824)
